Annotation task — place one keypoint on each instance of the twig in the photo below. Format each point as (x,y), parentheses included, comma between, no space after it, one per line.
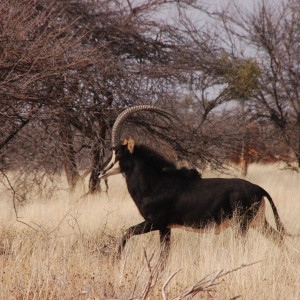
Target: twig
(14,202)
(135,283)
(148,285)
(164,295)
(155,272)
(63,218)
(206,285)
(240,267)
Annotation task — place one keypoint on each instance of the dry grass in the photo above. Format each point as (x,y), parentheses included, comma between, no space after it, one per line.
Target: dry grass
(69,253)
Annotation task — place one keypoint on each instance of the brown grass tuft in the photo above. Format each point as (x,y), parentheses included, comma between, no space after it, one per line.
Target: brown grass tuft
(70,252)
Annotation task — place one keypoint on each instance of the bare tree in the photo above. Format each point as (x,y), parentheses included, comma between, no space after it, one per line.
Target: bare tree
(68,68)
(270,35)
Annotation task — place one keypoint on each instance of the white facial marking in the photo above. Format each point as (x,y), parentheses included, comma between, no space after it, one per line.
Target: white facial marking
(115,169)
(111,163)
(112,168)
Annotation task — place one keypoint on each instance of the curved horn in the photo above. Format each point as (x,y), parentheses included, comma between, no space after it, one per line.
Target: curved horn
(115,135)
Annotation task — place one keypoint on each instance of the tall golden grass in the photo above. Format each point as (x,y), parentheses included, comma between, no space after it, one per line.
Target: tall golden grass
(67,252)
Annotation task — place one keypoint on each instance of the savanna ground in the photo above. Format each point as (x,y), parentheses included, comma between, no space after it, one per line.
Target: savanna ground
(68,252)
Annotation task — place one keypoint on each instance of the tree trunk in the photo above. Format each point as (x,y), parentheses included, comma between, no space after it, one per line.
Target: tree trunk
(66,136)
(98,149)
(298,137)
(245,143)
(98,156)
(244,161)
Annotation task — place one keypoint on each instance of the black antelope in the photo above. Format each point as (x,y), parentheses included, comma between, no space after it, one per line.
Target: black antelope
(168,197)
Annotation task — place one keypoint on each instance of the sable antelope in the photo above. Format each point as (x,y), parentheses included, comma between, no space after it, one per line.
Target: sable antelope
(168,197)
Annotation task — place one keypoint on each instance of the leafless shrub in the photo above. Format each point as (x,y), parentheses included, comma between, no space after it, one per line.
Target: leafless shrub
(206,286)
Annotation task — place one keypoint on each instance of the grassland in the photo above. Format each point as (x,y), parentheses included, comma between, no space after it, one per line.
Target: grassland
(67,252)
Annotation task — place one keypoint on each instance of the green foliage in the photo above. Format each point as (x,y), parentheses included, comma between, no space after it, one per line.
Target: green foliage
(241,75)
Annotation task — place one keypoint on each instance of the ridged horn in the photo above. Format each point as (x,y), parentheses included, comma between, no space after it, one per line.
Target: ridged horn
(116,130)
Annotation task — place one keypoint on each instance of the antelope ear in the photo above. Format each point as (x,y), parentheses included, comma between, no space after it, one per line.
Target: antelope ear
(130,145)
(125,142)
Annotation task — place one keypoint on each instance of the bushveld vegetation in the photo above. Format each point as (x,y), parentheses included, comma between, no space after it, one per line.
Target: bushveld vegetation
(64,248)
(68,68)
(230,77)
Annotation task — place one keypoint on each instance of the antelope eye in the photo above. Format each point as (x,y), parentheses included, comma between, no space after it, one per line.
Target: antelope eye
(118,153)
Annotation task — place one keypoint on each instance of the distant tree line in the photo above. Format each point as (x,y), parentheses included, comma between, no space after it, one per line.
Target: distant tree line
(68,68)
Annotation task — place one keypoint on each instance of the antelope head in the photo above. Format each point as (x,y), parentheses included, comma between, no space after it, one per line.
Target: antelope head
(112,167)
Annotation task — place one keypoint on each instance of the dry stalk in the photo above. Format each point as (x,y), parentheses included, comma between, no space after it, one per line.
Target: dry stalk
(206,285)
(154,272)
(135,283)
(14,193)
(164,295)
